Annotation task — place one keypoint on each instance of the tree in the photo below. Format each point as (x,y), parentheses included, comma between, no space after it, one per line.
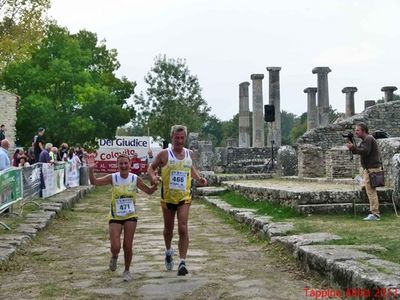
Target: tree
(213,130)
(173,97)
(299,127)
(69,88)
(287,122)
(230,129)
(22,26)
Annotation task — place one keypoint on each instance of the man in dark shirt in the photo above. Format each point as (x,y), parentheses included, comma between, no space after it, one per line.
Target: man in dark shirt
(44,156)
(38,143)
(370,161)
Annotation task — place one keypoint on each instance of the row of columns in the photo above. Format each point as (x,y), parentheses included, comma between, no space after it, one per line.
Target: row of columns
(313,112)
(317,106)
(274,129)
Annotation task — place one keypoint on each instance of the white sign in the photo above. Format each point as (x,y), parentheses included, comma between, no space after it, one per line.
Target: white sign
(109,150)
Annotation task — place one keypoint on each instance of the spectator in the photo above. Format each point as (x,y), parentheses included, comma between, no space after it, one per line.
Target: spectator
(15,159)
(45,154)
(2,132)
(73,159)
(53,153)
(23,161)
(72,168)
(38,143)
(135,163)
(63,152)
(31,155)
(79,152)
(150,157)
(4,159)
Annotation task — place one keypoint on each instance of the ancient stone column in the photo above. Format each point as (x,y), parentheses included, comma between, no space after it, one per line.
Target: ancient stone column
(323,95)
(388,90)
(244,115)
(274,128)
(312,121)
(349,91)
(258,111)
(368,103)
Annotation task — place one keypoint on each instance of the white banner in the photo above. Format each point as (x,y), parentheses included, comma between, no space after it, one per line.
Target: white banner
(53,178)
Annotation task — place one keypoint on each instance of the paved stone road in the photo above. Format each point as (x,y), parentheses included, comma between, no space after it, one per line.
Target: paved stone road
(69,260)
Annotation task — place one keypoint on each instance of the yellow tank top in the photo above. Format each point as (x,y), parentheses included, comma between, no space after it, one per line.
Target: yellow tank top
(123,197)
(176,178)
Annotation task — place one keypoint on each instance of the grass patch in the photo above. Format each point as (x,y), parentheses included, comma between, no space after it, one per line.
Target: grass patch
(352,229)
(355,231)
(277,211)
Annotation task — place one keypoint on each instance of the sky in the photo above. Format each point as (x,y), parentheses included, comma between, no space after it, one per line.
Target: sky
(225,41)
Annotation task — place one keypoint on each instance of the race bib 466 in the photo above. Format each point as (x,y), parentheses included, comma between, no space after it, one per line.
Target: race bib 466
(177,180)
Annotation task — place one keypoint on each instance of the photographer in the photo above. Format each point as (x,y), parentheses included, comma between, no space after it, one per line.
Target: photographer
(370,161)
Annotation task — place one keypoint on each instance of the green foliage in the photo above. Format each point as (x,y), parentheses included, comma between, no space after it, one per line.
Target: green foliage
(230,129)
(22,26)
(299,127)
(333,114)
(213,130)
(173,97)
(69,88)
(287,123)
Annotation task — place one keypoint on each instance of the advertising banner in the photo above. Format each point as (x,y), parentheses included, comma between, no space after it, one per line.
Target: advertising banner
(53,178)
(11,189)
(106,156)
(31,181)
(72,173)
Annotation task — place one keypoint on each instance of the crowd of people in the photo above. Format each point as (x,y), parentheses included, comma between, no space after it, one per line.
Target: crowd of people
(38,152)
(42,152)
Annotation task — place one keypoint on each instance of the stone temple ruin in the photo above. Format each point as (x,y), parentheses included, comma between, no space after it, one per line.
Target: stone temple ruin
(319,155)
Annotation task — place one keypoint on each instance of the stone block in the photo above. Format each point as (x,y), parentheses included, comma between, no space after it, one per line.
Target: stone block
(292,242)
(275,229)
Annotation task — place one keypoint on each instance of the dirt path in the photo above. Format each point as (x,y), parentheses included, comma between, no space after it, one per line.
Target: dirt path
(69,260)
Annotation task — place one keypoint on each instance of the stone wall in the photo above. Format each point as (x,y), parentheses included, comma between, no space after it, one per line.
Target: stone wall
(327,142)
(8,114)
(384,116)
(241,160)
(340,163)
(388,148)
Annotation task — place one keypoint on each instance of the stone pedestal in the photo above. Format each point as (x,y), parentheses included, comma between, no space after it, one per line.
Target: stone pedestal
(388,90)
(274,128)
(312,121)
(368,103)
(311,161)
(244,115)
(349,91)
(258,111)
(323,95)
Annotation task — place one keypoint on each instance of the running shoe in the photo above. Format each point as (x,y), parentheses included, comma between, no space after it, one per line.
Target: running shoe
(372,217)
(182,269)
(127,276)
(169,259)
(113,263)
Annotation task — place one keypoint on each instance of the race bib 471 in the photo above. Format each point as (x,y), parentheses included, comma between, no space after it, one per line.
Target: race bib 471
(124,206)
